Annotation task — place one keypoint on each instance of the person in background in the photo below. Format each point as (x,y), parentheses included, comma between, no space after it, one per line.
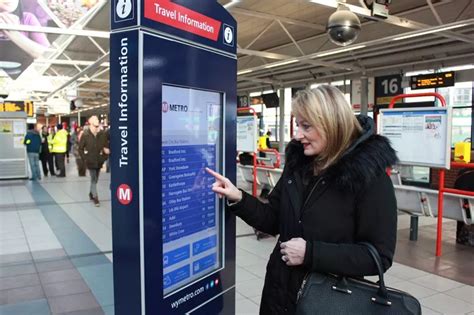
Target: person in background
(68,144)
(59,149)
(93,148)
(264,143)
(32,141)
(333,194)
(46,156)
(76,137)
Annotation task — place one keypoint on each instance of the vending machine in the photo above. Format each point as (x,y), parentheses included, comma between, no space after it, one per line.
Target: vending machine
(173,113)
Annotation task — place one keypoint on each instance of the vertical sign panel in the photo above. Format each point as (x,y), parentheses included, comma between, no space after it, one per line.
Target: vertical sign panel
(125,173)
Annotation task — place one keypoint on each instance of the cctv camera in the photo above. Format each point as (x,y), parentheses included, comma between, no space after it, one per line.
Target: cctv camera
(343,26)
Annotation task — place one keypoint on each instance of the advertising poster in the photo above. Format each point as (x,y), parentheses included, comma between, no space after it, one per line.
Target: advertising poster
(6,126)
(190,142)
(19,49)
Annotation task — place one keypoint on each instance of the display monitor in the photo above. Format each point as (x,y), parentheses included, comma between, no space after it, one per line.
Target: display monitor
(271,100)
(191,141)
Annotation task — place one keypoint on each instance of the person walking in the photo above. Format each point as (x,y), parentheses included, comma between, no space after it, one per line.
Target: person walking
(76,137)
(32,141)
(334,193)
(46,156)
(59,150)
(94,150)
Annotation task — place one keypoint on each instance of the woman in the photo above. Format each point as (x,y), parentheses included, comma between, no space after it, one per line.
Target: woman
(333,194)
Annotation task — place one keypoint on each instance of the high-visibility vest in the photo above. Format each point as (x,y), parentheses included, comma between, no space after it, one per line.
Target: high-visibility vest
(262,142)
(50,142)
(60,142)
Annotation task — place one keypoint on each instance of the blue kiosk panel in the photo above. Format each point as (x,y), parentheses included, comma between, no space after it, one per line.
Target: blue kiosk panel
(174,245)
(196,260)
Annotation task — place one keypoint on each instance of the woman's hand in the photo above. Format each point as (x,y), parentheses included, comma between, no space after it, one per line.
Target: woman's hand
(293,251)
(224,187)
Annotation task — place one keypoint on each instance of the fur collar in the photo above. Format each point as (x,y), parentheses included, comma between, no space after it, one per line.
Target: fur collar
(367,158)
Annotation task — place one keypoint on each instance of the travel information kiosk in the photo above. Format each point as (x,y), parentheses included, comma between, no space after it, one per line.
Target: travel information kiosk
(173,113)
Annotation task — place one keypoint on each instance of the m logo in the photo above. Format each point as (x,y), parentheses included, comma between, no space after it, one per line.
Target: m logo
(124,194)
(165,107)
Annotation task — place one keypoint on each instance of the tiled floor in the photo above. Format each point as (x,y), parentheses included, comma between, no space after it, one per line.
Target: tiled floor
(56,255)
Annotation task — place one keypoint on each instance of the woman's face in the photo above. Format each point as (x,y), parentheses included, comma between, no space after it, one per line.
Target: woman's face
(313,142)
(8,5)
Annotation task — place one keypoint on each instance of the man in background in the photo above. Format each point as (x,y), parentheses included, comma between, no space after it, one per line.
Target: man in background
(93,148)
(59,149)
(32,141)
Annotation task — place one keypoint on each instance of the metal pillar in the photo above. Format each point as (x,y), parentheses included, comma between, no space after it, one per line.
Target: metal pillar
(364,95)
(281,129)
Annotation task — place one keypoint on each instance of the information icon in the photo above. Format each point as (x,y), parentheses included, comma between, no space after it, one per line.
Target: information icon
(228,35)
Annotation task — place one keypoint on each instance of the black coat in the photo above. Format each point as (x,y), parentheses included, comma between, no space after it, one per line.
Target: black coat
(353,201)
(91,149)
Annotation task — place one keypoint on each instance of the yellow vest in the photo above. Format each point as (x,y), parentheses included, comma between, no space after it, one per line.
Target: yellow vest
(60,142)
(262,142)
(50,142)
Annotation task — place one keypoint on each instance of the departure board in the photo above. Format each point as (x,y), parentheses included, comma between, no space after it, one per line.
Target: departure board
(432,80)
(191,138)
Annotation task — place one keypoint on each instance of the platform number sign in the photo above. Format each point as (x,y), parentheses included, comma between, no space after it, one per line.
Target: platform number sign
(228,35)
(387,87)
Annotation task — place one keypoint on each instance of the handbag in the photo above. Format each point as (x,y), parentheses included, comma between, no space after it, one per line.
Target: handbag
(331,294)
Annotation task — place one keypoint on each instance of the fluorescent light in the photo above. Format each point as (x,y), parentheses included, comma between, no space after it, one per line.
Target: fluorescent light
(244,72)
(277,64)
(338,51)
(430,31)
(328,3)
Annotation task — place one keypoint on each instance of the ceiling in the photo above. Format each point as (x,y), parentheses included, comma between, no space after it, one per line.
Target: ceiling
(280,44)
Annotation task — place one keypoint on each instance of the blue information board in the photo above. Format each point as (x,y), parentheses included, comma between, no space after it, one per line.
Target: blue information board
(191,141)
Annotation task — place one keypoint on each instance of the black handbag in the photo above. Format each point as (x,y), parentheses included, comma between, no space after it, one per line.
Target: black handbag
(331,294)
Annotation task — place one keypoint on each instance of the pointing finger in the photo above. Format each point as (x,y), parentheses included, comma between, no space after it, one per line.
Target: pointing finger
(215,174)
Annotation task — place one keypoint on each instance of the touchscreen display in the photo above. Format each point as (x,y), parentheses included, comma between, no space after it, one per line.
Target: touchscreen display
(191,141)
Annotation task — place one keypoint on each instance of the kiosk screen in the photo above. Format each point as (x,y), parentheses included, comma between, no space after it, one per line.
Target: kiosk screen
(191,141)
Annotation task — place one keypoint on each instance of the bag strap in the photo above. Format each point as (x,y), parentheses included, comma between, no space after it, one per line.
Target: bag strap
(378,262)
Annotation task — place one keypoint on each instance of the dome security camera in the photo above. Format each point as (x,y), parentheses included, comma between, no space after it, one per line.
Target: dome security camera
(343,26)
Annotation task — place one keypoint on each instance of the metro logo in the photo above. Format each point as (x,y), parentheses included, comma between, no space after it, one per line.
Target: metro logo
(165,107)
(177,16)
(124,194)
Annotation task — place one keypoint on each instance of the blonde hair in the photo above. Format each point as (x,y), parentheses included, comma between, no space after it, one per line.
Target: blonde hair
(326,109)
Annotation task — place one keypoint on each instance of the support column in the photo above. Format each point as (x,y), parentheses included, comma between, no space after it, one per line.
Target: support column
(281,129)
(364,95)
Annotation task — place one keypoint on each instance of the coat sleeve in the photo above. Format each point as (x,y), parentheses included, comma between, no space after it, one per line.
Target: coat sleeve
(82,144)
(265,217)
(376,223)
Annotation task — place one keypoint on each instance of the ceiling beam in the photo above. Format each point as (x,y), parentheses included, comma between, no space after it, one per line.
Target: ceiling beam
(276,17)
(86,71)
(303,59)
(393,19)
(54,30)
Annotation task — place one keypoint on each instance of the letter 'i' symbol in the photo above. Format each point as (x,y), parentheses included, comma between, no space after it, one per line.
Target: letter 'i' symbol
(123,8)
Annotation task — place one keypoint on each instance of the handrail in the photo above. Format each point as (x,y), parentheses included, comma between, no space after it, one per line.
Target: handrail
(277,154)
(437,95)
(254,186)
(441,192)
